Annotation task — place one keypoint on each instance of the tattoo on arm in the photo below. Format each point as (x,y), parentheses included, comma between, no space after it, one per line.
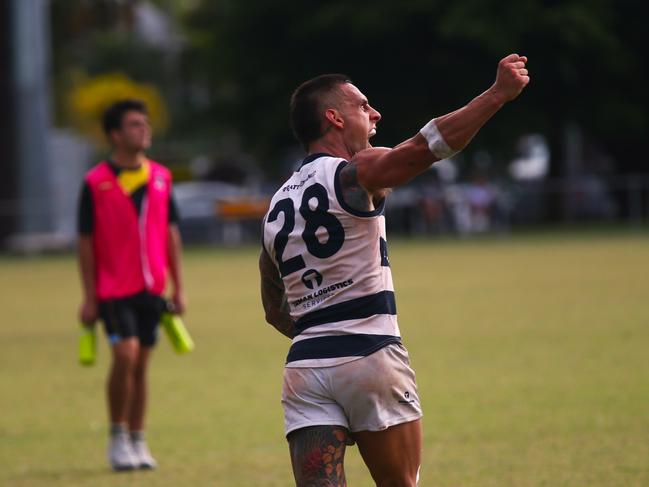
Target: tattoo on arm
(273,297)
(317,455)
(354,194)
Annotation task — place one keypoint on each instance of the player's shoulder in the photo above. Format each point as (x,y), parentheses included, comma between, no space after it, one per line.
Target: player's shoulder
(156,166)
(160,175)
(99,170)
(319,166)
(348,173)
(308,170)
(369,155)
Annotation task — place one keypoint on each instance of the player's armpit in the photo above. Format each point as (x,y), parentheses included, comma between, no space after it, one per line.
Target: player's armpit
(273,297)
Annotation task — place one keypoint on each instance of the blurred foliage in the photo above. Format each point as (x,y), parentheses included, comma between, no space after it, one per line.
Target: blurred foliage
(97,54)
(419,58)
(414,59)
(90,97)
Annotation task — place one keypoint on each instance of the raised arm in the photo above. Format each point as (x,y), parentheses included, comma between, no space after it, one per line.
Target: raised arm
(379,168)
(273,297)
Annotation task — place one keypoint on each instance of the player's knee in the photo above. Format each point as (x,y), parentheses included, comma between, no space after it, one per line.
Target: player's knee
(315,471)
(123,368)
(320,482)
(401,479)
(125,360)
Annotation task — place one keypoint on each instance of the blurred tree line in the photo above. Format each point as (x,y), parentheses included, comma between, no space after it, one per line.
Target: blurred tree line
(237,62)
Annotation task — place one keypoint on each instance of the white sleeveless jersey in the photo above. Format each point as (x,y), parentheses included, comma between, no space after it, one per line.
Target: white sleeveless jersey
(334,265)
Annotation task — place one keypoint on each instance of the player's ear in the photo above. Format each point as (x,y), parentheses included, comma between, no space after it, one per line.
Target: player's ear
(113,137)
(333,117)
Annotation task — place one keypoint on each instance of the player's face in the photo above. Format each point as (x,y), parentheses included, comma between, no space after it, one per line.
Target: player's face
(359,117)
(134,134)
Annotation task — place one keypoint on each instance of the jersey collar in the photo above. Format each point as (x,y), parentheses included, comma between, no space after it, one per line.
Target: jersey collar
(313,157)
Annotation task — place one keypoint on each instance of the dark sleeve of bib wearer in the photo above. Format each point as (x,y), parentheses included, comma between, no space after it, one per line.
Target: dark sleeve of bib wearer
(85,221)
(173,210)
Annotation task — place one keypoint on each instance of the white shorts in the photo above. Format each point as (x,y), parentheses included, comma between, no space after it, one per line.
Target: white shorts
(368,394)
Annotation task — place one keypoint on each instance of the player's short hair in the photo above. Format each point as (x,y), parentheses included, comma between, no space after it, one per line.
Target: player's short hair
(307,105)
(112,119)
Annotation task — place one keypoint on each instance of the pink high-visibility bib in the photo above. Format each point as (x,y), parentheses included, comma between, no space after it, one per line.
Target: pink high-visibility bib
(130,251)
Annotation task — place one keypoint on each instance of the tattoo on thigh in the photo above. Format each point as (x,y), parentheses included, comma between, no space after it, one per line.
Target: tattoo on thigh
(317,455)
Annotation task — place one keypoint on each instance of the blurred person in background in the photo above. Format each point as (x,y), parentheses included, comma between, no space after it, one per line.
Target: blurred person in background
(482,198)
(431,205)
(128,243)
(326,281)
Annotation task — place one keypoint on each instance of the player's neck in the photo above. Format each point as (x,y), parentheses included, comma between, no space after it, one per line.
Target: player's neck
(128,159)
(330,145)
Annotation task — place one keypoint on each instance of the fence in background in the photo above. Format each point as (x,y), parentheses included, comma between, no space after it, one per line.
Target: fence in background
(424,207)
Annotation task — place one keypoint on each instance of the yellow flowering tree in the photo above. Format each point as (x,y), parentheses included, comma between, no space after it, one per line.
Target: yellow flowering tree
(91,96)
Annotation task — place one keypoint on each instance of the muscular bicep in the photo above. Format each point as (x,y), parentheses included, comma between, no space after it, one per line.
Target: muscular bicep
(379,168)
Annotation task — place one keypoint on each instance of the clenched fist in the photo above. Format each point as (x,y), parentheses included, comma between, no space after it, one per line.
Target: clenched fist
(512,76)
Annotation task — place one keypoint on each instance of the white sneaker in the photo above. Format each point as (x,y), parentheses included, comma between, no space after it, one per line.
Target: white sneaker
(143,457)
(120,453)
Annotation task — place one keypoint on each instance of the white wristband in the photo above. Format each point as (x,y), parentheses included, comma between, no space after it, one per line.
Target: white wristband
(436,143)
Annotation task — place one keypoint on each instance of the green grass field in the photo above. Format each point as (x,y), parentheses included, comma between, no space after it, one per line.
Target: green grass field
(532,358)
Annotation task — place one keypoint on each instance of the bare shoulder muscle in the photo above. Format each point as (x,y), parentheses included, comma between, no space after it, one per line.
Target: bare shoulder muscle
(381,168)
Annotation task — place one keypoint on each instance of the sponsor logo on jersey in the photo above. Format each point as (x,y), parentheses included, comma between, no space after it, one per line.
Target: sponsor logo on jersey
(291,187)
(312,279)
(321,294)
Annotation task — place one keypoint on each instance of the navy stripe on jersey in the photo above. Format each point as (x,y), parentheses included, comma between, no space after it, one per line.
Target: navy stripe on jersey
(343,203)
(339,346)
(381,303)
